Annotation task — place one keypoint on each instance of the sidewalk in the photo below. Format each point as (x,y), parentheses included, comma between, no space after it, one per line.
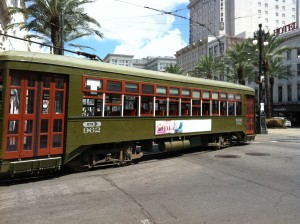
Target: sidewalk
(285,131)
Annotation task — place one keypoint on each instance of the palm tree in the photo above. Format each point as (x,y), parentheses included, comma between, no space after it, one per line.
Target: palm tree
(271,58)
(240,57)
(175,69)
(209,67)
(46,17)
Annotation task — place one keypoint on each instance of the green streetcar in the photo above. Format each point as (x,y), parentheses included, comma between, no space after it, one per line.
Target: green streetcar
(64,111)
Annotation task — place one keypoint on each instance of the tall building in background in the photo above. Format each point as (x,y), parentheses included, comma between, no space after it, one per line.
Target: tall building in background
(216,22)
(239,18)
(8,43)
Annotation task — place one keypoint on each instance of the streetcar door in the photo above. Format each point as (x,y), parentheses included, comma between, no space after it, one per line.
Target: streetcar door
(35,115)
(250,116)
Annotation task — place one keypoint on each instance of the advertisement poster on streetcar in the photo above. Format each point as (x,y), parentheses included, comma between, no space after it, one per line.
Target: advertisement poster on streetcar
(181,126)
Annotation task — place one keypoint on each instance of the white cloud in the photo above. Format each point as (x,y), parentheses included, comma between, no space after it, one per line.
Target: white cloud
(138,31)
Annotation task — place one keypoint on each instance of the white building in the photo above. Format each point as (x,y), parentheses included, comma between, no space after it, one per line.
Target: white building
(149,63)
(119,59)
(286,93)
(9,43)
(216,22)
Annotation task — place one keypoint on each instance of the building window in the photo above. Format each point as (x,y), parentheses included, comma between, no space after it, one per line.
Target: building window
(279,93)
(276,7)
(289,92)
(266,5)
(288,55)
(259,3)
(298,92)
(298,53)
(283,8)
(298,69)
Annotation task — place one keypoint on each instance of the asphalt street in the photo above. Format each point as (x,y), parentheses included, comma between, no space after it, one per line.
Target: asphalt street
(257,183)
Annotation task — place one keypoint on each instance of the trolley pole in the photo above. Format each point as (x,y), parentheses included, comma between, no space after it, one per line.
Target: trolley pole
(261,128)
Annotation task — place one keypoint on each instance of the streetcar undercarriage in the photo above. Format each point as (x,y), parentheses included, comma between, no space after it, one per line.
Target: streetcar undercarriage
(127,152)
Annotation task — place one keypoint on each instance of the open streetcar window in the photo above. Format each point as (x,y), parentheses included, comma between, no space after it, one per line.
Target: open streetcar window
(206,109)
(223,104)
(147,106)
(161,107)
(231,104)
(215,103)
(238,99)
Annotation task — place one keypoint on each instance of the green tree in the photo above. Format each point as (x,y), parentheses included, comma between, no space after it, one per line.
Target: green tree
(240,58)
(175,69)
(44,18)
(209,67)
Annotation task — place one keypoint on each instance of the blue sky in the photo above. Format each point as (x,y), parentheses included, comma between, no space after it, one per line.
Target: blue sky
(131,29)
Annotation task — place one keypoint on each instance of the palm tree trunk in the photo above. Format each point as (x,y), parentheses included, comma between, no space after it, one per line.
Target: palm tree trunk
(271,95)
(267,89)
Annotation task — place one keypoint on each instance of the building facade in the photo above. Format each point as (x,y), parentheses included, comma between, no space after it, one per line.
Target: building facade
(149,63)
(119,59)
(286,92)
(224,21)
(9,43)
(216,22)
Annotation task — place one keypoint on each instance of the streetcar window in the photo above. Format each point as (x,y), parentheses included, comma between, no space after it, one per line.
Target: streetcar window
(114,86)
(196,94)
(223,108)
(147,89)
(92,107)
(196,108)
(231,96)
(147,105)
(93,84)
(238,108)
(206,95)
(215,107)
(185,107)
(161,90)
(113,105)
(231,108)
(206,108)
(14,106)
(215,103)
(130,104)
(59,102)
(30,101)
(223,96)
(186,92)
(132,87)
(215,95)
(160,107)
(173,107)
(174,91)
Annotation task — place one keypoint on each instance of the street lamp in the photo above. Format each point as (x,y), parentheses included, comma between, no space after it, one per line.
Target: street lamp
(260,38)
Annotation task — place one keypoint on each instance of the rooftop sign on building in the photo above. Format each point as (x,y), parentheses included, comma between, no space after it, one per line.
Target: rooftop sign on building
(286,28)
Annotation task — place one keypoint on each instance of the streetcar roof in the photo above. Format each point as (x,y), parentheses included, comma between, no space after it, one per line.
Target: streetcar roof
(80,63)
